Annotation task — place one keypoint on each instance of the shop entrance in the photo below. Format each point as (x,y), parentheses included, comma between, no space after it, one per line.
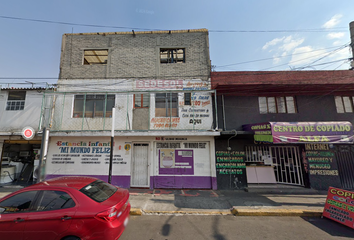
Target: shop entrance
(140,164)
(285,160)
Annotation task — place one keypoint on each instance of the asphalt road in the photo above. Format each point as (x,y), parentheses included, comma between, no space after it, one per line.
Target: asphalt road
(202,227)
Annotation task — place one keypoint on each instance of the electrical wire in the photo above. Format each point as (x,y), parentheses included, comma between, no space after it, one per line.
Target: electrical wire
(149,29)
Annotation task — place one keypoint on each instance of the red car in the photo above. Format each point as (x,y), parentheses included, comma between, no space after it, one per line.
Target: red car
(65,208)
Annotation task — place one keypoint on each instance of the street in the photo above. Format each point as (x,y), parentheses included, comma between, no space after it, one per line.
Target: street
(180,227)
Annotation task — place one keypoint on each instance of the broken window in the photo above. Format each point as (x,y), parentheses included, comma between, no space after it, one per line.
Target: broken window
(98,56)
(172,55)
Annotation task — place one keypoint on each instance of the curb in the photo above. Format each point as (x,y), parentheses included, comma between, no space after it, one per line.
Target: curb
(136,211)
(226,212)
(277,212)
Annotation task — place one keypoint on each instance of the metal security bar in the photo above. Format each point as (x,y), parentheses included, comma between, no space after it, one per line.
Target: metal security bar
(285,160)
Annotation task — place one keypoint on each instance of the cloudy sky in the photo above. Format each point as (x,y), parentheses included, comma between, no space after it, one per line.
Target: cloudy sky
(252,35)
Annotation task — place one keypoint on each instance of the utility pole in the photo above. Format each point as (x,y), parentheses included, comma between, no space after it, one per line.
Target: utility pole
(351,27)
(112,143)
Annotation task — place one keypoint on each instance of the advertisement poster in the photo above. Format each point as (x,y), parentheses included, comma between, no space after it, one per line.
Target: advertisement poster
(340,206)
(176,162)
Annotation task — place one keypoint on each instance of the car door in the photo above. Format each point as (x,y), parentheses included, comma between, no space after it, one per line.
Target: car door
(52,216)
(14,214)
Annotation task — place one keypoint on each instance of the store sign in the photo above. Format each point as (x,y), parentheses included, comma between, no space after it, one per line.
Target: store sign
(340,206)
(302,132)
(28,133)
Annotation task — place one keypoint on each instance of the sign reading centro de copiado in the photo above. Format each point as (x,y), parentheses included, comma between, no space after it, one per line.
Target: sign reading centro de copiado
(302,132)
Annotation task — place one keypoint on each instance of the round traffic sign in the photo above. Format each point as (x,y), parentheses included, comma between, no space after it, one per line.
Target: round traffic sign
(28,133)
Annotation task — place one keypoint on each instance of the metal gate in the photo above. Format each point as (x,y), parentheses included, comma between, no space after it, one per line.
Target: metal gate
(287,165)
(286,161)
(140,173)
(345,161)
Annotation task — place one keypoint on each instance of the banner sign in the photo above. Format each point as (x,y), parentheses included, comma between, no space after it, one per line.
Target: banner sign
(340,206)
(302,132)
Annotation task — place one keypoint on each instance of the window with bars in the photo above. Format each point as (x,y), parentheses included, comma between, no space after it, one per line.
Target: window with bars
(344,104)
(277,105)
(172,55)
(166,105)
(141,100)
(93,106)
(98,56)
(16,101)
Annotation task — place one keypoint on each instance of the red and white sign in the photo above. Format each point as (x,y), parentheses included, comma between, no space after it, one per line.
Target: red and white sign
(340,206)
(158,84)
(28,133)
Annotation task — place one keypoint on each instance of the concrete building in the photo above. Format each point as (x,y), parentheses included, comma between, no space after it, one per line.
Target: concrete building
(20,114)
(159,86)
(293,127)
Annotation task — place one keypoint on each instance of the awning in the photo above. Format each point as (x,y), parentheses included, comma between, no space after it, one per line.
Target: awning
(301,132)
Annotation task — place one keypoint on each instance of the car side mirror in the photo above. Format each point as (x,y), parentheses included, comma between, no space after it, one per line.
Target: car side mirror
(2,209)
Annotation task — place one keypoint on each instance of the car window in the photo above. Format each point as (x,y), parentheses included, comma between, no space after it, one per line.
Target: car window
(54,200)
(18,203)
(99,190)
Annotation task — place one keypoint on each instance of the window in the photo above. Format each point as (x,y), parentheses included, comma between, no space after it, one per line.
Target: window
(344,104)
(99,190)
(166,105)
(98,56)
(93,106)
(16,100)
(19,203)
(169,55)
(187,99)
(277,105)
(54,200)
(141,100)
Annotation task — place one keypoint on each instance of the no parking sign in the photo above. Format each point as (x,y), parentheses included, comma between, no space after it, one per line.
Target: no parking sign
(28,133)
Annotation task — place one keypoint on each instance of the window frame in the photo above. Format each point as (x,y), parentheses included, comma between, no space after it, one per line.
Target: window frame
(277,105)
(41,196)
(143,104)
(95,99)
(86,57)
(170,103)
(188,99)
(172,55)
(343,106)
(31,206)
(16,103)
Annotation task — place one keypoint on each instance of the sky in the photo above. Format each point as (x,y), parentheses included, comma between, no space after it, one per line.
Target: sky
(244,35)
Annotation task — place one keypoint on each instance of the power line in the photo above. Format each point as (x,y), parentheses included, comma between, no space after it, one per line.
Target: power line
(149,29)
(264,59)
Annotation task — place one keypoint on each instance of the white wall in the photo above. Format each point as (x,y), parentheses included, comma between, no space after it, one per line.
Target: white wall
(15,121)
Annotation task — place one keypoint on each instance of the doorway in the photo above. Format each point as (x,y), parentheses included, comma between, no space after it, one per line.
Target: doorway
(140,165)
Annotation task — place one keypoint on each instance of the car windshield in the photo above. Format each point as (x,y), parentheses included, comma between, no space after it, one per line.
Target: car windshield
(99,190)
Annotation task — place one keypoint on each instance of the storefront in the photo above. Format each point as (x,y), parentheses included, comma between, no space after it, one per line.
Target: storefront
(297,153)
(19,159)
(144,161)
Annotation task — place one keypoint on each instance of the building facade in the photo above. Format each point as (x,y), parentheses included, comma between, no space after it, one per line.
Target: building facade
(152,91)
(292,127)
(20,114)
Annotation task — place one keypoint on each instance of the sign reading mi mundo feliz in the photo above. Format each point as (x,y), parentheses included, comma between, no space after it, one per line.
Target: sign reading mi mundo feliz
(302,132)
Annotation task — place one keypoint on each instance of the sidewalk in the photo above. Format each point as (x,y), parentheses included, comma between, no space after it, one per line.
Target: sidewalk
(255,201)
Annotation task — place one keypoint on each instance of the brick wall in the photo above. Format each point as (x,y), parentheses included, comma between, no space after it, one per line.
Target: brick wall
(136,55)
